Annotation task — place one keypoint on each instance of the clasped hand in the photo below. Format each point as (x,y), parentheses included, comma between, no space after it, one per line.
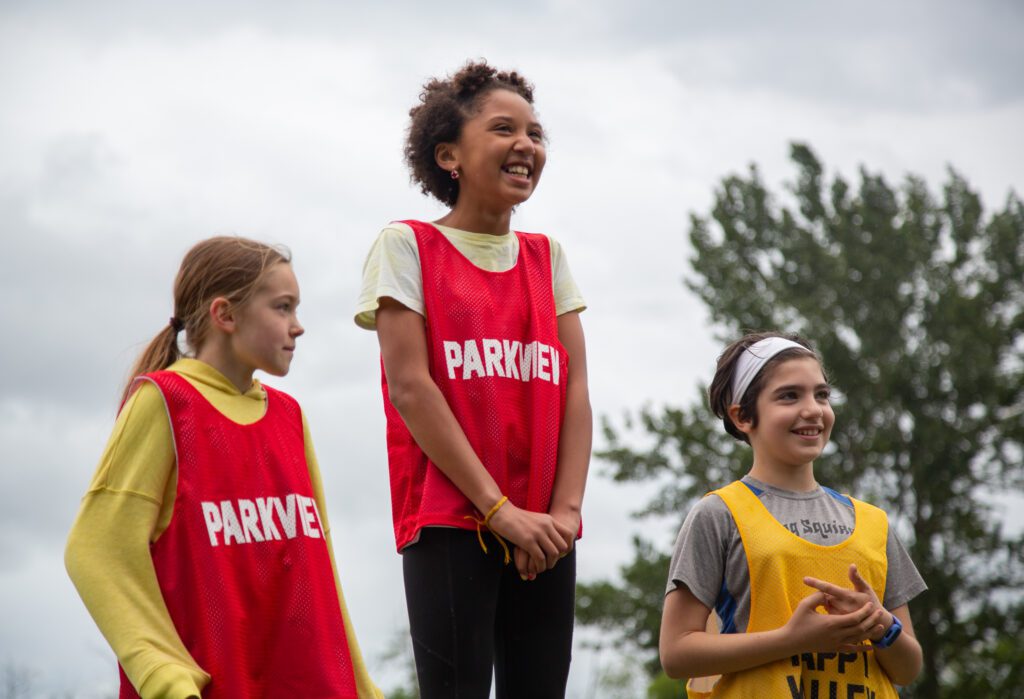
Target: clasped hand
(853,616)
(540,539)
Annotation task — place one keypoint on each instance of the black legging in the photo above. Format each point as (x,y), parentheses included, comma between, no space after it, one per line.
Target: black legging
(468,613)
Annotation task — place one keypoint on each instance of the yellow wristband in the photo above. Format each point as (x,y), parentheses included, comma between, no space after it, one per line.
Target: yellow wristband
(485,522)
(494,510)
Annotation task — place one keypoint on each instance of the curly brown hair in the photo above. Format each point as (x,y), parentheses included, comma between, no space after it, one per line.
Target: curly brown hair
(444,107)
(720,393)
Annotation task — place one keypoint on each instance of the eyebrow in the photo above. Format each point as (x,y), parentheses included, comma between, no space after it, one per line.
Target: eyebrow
(798,387)
(508,117)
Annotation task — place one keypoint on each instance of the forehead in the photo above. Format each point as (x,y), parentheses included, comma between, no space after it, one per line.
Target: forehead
(502,102)
(799,371)
(279,279)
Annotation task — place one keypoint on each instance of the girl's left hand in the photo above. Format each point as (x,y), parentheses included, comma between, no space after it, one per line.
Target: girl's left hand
(840,600)
(529,568)
(571,519)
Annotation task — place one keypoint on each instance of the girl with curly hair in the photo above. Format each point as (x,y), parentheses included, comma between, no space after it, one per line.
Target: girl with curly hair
(485,393)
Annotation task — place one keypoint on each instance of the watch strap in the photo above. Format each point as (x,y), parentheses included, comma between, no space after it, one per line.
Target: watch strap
(891,634)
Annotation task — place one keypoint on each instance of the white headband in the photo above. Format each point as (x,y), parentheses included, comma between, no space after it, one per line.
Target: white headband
(753,359)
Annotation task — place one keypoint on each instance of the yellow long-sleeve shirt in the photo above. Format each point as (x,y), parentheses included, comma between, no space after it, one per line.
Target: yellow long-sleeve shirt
(129,505)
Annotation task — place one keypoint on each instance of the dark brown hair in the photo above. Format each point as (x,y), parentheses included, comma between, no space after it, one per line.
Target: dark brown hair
(444,107)
(720,393)
(224,266)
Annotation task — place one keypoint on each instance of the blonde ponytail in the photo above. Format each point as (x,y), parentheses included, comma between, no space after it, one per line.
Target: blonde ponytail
(224,266)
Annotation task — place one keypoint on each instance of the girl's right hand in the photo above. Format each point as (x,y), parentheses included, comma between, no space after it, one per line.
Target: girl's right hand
(813,632)
(541,537)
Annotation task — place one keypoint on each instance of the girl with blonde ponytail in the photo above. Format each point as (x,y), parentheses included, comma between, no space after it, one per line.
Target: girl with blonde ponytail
(224,266)
(202,548)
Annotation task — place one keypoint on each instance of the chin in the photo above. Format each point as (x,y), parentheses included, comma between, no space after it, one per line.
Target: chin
(802,458)
(521,195)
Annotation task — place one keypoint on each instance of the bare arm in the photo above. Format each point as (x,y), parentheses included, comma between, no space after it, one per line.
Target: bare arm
(687,650)
(403,345)
(575,438)
(903,660)
(577,428)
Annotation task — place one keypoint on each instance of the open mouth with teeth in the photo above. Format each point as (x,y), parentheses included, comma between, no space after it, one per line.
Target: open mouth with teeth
(517,170)
(808,432)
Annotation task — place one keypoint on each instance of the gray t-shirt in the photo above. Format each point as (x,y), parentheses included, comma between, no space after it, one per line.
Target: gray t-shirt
(710,561)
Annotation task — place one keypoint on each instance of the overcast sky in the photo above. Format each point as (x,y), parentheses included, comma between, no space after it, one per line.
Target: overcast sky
(128,131)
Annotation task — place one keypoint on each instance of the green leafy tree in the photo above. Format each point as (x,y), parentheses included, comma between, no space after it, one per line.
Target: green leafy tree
(917,305)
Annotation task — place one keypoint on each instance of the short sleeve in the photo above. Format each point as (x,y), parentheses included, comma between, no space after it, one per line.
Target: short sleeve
(902,580)
(392,269)
(567,295)
(699,558)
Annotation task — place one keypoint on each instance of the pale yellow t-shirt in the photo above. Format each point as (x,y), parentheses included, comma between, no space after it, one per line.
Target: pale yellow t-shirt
(392,269)
(129,505)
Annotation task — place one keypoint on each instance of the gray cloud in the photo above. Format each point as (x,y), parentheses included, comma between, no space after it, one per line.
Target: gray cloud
(130,131)
(907,56)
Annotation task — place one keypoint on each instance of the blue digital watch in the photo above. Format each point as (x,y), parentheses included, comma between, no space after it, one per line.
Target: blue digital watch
(890,635)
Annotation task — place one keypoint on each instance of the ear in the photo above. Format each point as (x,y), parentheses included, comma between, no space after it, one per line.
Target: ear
(744,426)
(446,157)
(222,315)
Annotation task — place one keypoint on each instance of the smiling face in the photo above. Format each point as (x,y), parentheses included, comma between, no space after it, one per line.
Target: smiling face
(794,417)
(266,325)
(499,155)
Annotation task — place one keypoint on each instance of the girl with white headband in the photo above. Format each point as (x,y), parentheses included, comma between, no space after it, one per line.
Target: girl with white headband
(809,587)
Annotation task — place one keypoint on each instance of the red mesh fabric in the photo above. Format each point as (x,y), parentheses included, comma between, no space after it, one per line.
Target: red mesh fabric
(494,353)
(243,566)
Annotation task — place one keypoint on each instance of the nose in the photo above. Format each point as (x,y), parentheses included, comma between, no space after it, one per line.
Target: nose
(524,144)
(811,407)
(297,328)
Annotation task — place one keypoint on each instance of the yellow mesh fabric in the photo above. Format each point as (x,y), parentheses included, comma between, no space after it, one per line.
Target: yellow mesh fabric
(778,561)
